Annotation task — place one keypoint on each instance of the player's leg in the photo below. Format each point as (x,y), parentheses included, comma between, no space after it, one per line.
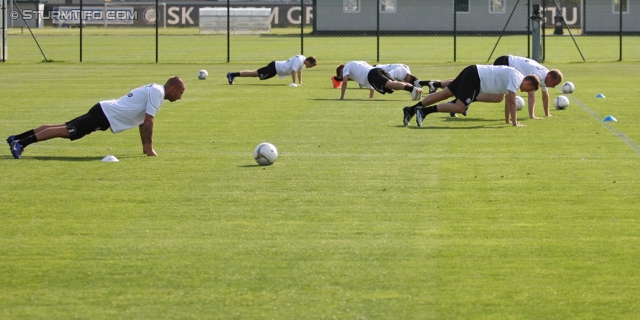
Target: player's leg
(246,73)
(73,130)
(41,133)
(409,111)
(465,87)
(395,85)
(50,131)
(416,92)
(436,97)
(263,73)
(267,72)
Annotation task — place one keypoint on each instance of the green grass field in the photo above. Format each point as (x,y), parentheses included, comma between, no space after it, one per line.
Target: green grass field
(360,217)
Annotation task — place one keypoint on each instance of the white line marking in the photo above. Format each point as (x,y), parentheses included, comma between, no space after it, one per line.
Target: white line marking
(632,144)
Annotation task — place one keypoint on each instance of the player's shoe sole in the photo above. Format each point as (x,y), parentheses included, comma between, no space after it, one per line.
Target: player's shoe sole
(419,116)
(16,149)
(10,140)
(416,93)
(407,115)
(229,78)
(432,89)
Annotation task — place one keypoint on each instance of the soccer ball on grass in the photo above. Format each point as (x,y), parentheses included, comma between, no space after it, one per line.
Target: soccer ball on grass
(203,74)
(519,103)
(265,154)
(568,87)
(561,102)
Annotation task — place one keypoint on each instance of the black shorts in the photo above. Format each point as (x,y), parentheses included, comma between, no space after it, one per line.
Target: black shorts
(378,78)
(268,71)
(466,86)
(85,124)
(501,61)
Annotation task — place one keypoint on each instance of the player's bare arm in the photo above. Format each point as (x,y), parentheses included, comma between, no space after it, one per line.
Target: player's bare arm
(545,103)
(146,134)
(531,100)
(511,102)
(345,80)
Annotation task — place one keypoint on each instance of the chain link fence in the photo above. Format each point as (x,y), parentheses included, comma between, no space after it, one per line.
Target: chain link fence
(424,31)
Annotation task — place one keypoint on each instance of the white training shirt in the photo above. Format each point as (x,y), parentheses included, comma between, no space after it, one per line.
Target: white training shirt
(358,71)
(528,66)
(499,79)
(284,68)
(397,71)
(129,111)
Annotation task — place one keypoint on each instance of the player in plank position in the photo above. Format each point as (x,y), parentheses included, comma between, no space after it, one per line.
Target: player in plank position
(292,67)
(373,78)
(137,108)
(469,84)
(402,72)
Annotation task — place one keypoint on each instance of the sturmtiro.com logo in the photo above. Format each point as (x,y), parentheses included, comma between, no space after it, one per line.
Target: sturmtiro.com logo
(71,15)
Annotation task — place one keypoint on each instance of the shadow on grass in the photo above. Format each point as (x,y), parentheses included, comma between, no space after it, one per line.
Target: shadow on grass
(260,84)
(75,159)
(251,166)
(424,127)
(469,119)
(354,99)
(491,125)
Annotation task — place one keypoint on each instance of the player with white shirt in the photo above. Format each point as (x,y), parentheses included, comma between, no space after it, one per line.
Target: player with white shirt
(548,78)
(373,78)
(402,72)
(293,66)
(469,84)
(397,71)
(137,108)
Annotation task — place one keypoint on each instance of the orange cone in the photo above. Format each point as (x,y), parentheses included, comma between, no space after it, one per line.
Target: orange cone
(336,83)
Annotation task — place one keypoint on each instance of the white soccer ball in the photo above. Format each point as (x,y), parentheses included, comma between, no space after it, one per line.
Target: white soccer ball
(568,87)
(203,74)
(561,102)
(265,154)
(519,103)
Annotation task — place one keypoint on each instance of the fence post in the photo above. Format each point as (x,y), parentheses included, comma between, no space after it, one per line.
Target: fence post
(157,26)
(302,16)
(528,28)
(544,30)
(80,26)
(455,25)
(378,31)
(3,40)
(228,32)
